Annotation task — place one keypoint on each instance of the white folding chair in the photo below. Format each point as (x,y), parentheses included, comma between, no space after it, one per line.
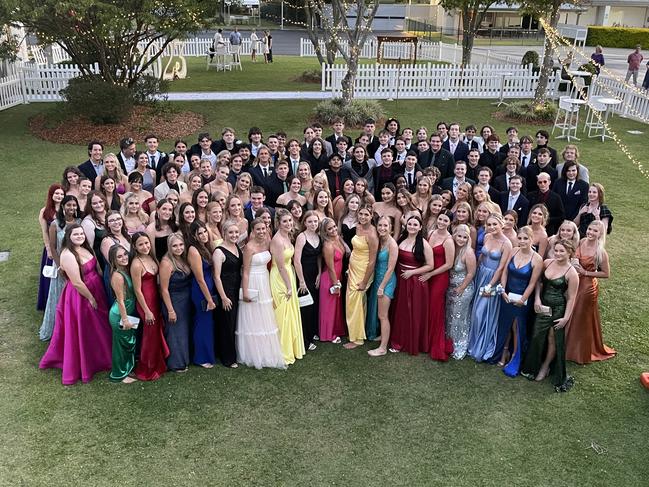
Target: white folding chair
(578,87)
(570,120)
(235,52)
(593,124)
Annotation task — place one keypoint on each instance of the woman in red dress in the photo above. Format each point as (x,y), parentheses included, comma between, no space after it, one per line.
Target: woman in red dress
(144,272)
(441,242)
(410,329)
(584,343)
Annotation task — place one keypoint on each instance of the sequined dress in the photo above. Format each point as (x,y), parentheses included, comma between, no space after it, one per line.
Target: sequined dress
(458,310)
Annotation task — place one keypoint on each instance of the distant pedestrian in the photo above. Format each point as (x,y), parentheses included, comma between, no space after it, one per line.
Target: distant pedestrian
(634,60)
(235,44)
(598,59)
(254,45)
(645,83)
(268,48)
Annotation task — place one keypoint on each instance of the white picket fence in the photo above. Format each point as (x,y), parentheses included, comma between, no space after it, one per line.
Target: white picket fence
(44,83)
(635,104)
(390,81)
(426,51)
(12,91)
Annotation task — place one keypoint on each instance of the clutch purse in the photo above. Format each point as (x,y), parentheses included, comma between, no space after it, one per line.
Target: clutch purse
(134,320)
(253,294)
(545,311)
(514,297)
(50,271)
(305,300)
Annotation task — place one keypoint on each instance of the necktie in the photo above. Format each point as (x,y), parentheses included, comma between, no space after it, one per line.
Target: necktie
(524,161)
(265,172)
(152,161)
(569,187)
(511,202)
(284,186)
(295,164)
(409,179)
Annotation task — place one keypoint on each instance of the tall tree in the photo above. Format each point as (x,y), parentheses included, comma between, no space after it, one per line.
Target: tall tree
(124,37)
(347,40)
(473,13)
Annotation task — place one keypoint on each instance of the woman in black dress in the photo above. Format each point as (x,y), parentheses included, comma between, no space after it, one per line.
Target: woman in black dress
(308,265)
(227,260)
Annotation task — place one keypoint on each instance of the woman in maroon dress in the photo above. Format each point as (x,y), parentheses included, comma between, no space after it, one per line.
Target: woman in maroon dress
(144,272)
(441,242)
(410,329)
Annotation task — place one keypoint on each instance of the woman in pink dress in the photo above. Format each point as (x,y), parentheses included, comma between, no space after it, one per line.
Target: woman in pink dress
(81,343)
(332,324)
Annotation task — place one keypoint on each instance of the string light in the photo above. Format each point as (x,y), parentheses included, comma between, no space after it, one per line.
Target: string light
(608,130)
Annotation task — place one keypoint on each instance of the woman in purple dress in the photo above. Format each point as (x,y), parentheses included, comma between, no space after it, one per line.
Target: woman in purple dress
(81,343)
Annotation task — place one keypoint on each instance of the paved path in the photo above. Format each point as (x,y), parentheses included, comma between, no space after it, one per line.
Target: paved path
(249,95)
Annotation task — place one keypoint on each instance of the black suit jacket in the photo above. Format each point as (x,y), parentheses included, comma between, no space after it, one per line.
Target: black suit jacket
(533,170)
(343,173)
(492,161)
(275,188)
(162,160)
(247,212)
(500,183)
(571,201)
(522,207)
(380,177)
(332,140)
(88,170)
(461,151)
(443,160)
(412,188)
(121,162)
(554,205)
(553,152)
(447,183)
(258,178)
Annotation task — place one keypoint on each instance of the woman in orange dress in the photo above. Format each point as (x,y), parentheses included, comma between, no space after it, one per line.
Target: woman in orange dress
(584,343)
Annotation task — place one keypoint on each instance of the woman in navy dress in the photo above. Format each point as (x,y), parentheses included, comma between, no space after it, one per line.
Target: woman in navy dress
(55,195)
(519,277)
(486,305)
(203,295)
(175,290)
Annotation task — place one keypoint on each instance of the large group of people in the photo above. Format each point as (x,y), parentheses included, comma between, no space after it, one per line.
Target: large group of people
(449,242)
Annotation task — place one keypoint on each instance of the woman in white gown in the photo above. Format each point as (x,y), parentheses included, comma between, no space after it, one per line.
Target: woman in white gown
(257,337)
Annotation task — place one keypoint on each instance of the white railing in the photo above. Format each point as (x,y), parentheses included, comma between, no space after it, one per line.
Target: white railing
(198,47)
(635,104)
(58,54)
(43,83)
(11,91)
(390,81)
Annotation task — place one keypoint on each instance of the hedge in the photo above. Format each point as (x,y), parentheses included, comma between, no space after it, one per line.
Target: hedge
(625,37)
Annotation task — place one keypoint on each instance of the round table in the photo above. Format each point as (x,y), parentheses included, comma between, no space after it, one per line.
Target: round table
(565,133)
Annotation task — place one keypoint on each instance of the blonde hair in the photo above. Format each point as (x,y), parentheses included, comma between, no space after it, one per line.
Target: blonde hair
(124,208)
(601,241)
(459,252)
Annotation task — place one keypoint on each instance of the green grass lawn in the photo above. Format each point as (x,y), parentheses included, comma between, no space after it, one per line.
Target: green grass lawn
(336,417)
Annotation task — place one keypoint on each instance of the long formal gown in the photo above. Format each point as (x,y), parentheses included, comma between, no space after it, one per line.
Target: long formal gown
(372,325)
(54,293)
(484,315)
(287,312)
(357,300)
(123,340)
(514,317)
(81,342)
(458,310)
(226,321)
(203,332)
(441,345)
(257,336)
(553,295)
(177,333)
(481,231)
(331,321)
(154,349)
(43,282)
(309,261)
(584,342)
(409,311)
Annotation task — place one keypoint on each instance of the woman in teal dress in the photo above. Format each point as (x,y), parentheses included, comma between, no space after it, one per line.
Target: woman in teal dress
(382,291)
(124,335)
(554,302)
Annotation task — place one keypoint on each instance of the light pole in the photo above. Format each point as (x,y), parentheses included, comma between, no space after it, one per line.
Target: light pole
(281,14)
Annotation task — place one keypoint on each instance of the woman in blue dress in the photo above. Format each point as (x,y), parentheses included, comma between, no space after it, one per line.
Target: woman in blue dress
(486,305)
(382,291)
(203,294)
(518,280)
(175,291)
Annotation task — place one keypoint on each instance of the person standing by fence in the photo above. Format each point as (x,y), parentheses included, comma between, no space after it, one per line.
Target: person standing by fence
(634,60)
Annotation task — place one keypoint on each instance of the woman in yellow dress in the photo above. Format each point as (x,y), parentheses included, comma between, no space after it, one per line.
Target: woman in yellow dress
(284,290)
(361,272)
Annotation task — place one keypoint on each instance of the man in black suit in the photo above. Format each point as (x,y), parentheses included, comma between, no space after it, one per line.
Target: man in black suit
(261,174)
(514,200)
(491,157)
(526,156)
(272,142)
(540,165)
(336,175)
(512,139)
(469,137)
(126,154)
(454,144)
(157,159)
(227,142)
(338,127)
(204,148)
(440,157)
(460,177)
(473,164)
(542,140)
(385,173)
(411,171)
(277,183)
(512,167)
(293,156)
(327,147)
(572,190)
(484,180)
(94,166)
(551,200)
(257,199)
(369,126)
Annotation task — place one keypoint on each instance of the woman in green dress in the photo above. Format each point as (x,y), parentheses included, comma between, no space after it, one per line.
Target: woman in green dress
(123,331)
(554,302)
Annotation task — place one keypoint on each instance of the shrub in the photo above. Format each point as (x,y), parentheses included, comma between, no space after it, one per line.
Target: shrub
(531,57)
(354,114)
(149,89)
(310,76)
(626,37)
(98,100)
(526,111)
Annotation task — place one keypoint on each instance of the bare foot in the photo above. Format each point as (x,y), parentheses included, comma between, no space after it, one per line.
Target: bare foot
(377,352)
(351,345)
(129,380)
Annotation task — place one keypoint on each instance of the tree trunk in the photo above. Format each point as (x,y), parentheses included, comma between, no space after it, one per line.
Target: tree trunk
(468,36)
(349,80)
(310,30)
(548,58)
